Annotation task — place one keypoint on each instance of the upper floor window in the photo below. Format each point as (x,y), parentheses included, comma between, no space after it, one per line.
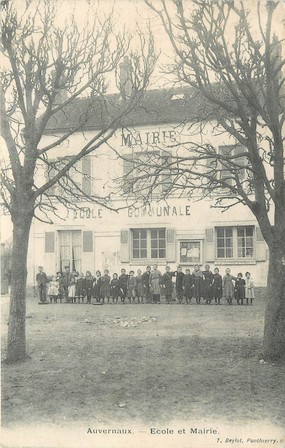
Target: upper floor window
(142,176)
(233,163)
(78,177)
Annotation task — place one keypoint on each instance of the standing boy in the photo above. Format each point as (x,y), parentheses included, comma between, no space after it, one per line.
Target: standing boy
(146,284)
(123,279)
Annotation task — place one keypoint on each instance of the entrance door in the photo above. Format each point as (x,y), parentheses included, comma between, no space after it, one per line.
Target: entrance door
(70,249)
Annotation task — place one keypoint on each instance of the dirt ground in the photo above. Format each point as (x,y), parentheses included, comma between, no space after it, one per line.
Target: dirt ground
(148,363)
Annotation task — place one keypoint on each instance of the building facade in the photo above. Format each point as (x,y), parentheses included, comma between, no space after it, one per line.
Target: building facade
(179,230)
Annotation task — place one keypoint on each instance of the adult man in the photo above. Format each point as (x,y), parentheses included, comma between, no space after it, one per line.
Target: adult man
(179,284)
(146,284)
(166,283)
(41,280)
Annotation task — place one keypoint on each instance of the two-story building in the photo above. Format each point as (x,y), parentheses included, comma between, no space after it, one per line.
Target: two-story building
(180,230)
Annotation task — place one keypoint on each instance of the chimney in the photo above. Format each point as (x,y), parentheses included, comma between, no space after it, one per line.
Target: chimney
(125,78)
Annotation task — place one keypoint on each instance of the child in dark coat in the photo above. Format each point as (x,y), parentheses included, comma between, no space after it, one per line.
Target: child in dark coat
(105,286)
(217,287)
(115,288)
(79,288)
(187,286)
(239,289)
(97,287)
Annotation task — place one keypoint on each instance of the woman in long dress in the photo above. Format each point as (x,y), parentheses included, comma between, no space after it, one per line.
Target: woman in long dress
(228,286)
(154,281)
(197,277)
(139,286)
(208,279)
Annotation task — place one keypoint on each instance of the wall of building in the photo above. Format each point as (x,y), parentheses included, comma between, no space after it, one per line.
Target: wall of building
(105,239)
(190,228)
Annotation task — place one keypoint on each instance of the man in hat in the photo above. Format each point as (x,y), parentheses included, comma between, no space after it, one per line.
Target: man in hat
(41,280)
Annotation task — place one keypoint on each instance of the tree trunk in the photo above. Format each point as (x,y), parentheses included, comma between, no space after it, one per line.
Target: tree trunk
(16,347)
(274,330)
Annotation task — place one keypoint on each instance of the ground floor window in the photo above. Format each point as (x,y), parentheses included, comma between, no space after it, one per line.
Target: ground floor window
(235,242)
(190,252)
(70,245)
(148,244)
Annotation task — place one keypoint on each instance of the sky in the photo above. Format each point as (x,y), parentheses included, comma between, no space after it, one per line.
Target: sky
(134,15)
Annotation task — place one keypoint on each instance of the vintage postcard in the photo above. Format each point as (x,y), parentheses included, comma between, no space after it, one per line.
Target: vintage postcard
(142,223)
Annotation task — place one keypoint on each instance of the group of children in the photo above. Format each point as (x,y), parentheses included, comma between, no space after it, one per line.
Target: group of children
(147,287)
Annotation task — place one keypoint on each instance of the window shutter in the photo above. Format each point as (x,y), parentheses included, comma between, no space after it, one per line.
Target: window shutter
(88,241)
(86,175)
(209,245)
(125,248)
(242,161)
(128,167)
(50,173)
(49,242)
(261,246)
(170,245)
(166,176)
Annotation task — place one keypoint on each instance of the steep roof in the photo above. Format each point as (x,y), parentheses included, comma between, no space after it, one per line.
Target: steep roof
(156,107)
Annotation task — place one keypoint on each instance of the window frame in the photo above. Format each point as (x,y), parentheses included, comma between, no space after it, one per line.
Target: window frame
(149,247)
(235,247)
(128,172)
(59,261)
(57,189)
(190,240)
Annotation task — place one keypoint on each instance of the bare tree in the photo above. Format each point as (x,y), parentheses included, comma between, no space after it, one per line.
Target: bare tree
(46,68)
(235,73)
